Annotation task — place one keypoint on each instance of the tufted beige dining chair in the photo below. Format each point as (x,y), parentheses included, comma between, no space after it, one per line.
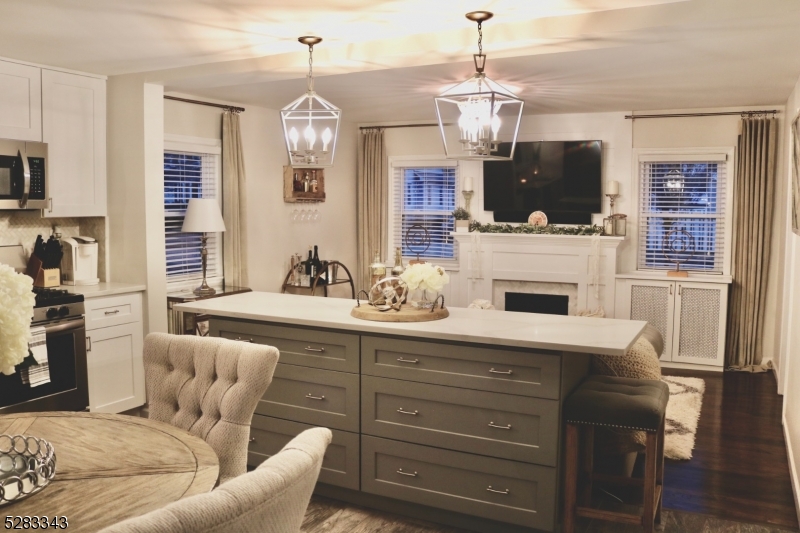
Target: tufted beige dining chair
(210,387)
(273,498)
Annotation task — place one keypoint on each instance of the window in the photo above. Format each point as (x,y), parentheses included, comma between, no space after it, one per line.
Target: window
(425,194)
(683,212)
(190,171)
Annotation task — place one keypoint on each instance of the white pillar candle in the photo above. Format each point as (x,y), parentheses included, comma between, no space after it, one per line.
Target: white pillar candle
(468,183)
(613,187)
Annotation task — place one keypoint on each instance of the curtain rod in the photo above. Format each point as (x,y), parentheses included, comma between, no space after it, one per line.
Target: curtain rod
(231,108)
(718,114)
(402,126)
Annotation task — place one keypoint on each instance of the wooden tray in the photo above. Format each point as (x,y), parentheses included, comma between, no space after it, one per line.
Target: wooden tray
(405,314)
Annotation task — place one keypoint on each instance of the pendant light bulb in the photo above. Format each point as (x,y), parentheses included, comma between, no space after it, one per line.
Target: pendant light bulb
(294,137)
(327,135)
(310,136)
(495,127)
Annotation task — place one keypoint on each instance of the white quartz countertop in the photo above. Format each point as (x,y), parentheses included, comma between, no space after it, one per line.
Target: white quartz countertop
(109,288)
(500,328)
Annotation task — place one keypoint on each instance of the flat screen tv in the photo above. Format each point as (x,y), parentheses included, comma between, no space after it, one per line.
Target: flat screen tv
(563,179)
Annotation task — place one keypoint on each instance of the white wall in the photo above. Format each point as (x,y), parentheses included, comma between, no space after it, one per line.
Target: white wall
(790,339)
(136,191)
(272,236)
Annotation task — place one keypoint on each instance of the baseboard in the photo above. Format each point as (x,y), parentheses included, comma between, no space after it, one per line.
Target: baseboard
(691,366)
(792,469)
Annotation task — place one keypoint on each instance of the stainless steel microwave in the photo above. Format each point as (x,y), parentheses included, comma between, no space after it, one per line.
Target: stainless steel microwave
(23,177)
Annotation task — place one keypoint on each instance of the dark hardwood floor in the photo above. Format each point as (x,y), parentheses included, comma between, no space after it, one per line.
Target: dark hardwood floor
(737,481)
(739,469)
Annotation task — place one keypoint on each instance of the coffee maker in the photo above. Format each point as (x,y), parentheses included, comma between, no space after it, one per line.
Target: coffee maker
(79,264)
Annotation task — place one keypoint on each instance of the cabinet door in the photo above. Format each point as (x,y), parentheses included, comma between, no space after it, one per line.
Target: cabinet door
(20,102)
(654,302)
(74,128)
(116,369)
(700,313)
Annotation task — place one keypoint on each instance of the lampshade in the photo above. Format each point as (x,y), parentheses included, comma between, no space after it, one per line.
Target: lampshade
(478,114)
(203,216)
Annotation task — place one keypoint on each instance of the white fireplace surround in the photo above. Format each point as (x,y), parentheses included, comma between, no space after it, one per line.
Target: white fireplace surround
(487,259)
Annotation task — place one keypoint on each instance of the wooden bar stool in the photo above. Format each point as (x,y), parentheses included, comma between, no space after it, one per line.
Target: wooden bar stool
(623,403)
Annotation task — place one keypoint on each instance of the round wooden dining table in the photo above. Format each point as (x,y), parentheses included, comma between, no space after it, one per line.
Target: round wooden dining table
(111,467)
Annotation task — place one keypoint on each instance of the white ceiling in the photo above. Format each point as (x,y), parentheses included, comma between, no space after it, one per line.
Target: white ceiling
(384,60)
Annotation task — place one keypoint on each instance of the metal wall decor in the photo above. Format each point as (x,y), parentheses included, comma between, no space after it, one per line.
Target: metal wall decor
(314,119)
(484,112)
(678,248)
(417,240)
(27,465)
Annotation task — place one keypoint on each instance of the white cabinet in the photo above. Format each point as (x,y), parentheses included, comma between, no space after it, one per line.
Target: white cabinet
(114,338)
(20,102)
(690,315)
(74,128)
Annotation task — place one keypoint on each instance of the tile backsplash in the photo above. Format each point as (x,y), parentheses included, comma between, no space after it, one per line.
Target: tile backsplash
(22,227)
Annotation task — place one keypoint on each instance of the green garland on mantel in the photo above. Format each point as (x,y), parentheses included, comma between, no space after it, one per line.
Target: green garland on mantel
(528,229)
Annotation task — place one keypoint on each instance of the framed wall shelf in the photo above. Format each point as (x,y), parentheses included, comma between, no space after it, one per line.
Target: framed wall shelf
(303,184)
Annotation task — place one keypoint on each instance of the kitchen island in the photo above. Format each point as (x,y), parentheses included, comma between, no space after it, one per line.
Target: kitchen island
(456,421)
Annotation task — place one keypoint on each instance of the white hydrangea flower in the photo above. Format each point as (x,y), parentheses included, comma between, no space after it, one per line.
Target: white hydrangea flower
(425,276)
(16,311)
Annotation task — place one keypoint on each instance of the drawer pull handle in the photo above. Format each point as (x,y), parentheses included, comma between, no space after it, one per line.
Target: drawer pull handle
(409,474)
(243,340)
(310,349)
(414,361)
(493,425)
(490,489)
(312,397)
(415,413)
(507,372)
(252,439)
(114,312)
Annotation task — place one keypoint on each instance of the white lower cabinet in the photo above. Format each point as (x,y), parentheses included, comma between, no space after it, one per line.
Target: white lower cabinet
(114,355)
(690,315)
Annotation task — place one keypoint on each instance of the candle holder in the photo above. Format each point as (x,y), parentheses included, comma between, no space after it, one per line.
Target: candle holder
(612,198)
(468,199)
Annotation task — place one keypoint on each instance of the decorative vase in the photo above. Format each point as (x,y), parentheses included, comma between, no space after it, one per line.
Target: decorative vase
(424,298)
(462,226)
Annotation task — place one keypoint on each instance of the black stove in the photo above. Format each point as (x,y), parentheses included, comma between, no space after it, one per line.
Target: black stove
(56,304)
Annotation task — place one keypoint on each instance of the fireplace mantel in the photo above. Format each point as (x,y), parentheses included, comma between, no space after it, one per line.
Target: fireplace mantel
(488,257)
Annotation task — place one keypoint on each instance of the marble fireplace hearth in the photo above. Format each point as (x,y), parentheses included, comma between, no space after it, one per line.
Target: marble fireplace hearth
(501,287)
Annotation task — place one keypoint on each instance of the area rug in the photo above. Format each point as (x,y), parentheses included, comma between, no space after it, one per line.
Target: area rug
(683,413)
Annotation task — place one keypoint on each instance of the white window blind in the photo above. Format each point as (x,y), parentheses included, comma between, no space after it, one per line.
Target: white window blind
(425,195)
(688,195)
(189,175)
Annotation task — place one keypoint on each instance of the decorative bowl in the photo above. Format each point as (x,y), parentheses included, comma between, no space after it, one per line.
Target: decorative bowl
(27,465)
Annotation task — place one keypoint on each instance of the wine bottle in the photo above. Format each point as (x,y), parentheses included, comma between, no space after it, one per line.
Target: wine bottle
(317,262)
(309,261)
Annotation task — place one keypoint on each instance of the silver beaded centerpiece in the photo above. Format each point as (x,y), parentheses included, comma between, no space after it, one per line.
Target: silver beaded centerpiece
(27,465)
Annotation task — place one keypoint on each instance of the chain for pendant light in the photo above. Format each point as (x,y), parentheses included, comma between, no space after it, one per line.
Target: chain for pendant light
(310,67)
(480,37)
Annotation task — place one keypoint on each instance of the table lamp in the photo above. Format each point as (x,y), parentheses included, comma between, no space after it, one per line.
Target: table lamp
(203,216)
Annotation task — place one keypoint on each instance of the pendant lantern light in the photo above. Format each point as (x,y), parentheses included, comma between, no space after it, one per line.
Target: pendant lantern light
(311,123)
(477,115)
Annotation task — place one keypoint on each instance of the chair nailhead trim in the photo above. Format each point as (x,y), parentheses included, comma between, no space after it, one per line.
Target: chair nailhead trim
(612,426)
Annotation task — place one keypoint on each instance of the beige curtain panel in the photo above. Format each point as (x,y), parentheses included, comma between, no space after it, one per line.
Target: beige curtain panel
(234,202)
(373,201)
(754,199)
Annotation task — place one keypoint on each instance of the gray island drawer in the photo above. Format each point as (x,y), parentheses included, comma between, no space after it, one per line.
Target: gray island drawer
(497,489)
(512,372)
(298,346)
(318,397)
(340,466)
(486,423)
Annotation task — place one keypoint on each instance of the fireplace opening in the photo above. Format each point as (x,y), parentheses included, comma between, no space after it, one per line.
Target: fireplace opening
(549,304)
